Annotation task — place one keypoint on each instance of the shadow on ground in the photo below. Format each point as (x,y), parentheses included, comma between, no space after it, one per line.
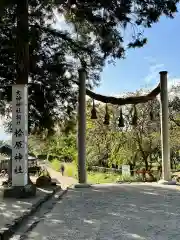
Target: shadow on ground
(12,209)
(119,212)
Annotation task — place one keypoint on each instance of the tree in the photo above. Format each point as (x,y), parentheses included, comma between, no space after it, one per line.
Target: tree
(98,138)
(37,144)
(136,144)
(174,108)
(61,145)
(51,94)
(174,105)
(147,133)
(97,27)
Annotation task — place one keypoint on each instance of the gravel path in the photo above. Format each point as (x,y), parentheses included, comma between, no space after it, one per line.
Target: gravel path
(123,212)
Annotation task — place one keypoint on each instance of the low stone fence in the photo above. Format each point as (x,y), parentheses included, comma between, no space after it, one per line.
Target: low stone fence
(119,171)
(104,170)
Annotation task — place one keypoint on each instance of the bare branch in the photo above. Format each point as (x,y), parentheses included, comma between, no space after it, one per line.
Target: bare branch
(177,122)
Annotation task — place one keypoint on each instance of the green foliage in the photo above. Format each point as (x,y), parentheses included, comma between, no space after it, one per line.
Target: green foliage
(55,164)
(70,169)
(45,173)
(93,36)
(127,178)
(64,147)
(93,177)
(111,146)
(97,178)
(134,145)
(51,94)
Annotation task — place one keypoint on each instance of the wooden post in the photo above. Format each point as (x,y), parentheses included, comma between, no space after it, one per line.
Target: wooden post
(82,127)
(166,170)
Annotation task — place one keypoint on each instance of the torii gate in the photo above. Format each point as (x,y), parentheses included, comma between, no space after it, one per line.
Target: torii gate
(161,88)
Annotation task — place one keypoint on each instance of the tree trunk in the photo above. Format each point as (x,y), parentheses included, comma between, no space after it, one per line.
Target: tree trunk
(145,159)
(132,166)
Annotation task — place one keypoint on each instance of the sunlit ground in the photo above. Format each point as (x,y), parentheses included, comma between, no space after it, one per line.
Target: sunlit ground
(121,212)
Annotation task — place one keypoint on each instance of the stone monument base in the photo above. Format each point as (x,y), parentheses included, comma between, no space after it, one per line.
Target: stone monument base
(82,185)
(20,191)
(164,182)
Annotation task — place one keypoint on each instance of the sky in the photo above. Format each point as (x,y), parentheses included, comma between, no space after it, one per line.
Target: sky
(141,67)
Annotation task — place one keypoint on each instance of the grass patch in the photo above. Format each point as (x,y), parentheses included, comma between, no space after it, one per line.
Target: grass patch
(127,178)
(92,177)
(70,168)
(55,164)
(97,177)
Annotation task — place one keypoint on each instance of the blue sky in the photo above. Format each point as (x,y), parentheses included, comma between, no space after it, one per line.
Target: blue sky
(141,67)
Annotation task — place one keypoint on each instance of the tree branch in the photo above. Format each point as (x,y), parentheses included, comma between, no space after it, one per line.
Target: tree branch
(66,37)
(4,4)
(177,122)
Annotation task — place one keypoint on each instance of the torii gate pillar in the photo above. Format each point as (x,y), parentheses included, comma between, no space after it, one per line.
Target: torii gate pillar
(164,114)
(82,131)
